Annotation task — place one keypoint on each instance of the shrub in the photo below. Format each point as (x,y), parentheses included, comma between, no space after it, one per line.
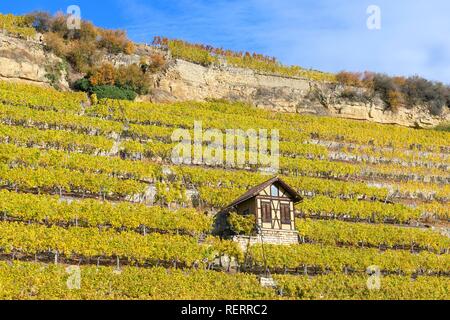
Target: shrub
(82,55)
(83,85)
(129,48)
(395,100)
(88,32)
(399,92)
(421,91)
(103,75)
(83,47)
(59,25)
(113,92)
(349,78)
(350,94)
(115,41)
(157,61)
(54,43)
(134,78)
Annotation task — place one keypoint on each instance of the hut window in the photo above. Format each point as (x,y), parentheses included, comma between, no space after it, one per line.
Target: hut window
(274,191)
(285,214)
(266,212)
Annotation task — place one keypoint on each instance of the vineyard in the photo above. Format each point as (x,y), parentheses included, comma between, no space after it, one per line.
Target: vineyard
(92,187)
(207,55)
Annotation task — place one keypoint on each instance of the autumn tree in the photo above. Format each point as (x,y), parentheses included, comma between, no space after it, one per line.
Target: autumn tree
(103,75)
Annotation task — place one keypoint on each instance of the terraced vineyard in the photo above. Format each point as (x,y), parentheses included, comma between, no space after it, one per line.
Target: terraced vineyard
(94,186)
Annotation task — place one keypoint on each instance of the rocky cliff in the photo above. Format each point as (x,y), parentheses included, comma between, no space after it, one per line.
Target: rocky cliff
(187,81)
(28,61)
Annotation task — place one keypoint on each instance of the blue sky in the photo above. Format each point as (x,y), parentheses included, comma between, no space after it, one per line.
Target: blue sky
(328,35)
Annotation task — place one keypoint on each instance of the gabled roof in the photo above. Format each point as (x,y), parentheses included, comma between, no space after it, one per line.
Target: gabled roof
(253,192)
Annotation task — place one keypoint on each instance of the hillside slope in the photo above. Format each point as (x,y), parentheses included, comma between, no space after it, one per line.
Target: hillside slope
(27,60)
(94,188)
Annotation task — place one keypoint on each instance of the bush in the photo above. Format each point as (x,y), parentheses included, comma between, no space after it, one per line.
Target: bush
(103,75)
(113,92)
(349,78)
(399,92)
(82,55)
(115,41)
(157,61)
(421,91)
(134,78)
(395,100)
(82,85)
(56,44)
(81,47)
(122,83)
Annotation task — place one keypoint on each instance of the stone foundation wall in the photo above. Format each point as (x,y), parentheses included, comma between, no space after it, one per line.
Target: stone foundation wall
(279,237)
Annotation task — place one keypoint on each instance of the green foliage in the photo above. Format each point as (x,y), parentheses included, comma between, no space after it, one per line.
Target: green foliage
(113,92)
(336,259)
(82,85)
(241,225)
(94,213)
(104,91)
(108,82)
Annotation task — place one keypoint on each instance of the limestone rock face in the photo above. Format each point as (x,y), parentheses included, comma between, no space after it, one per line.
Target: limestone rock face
(27,61)
(183,81)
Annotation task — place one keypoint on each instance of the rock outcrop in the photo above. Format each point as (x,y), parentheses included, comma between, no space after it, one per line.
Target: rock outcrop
(187,81)
(27,61)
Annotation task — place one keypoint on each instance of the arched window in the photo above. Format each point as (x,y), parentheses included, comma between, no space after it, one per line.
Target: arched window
(274,191)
